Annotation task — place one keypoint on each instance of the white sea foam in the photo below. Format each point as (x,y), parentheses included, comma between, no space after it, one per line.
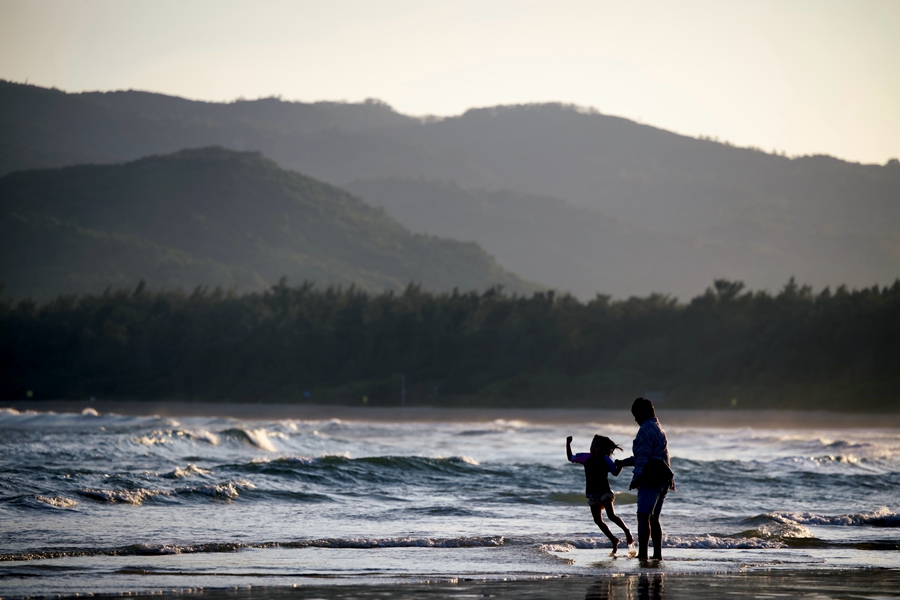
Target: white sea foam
(261,460)
(883,517)
(256,437)
(219,490)
(402,542)
(150,440)
(57,501)
(845,459)
(698,541)
(90,412)
(135,497)
(189,470)
(716,542)
(260,439)
(563,547)
(583,544)
(783,528)
(164,437)
(202,435)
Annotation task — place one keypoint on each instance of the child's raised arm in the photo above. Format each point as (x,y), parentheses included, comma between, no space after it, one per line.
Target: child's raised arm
(580,458)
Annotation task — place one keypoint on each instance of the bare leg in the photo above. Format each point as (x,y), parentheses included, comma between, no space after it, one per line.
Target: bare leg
(598,519)
(643,534)
(611,513)
(656,534)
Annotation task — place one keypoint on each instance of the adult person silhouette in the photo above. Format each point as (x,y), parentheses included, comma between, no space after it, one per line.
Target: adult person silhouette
(652,475)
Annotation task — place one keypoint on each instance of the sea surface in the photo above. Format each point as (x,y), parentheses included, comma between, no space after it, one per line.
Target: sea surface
(107,504)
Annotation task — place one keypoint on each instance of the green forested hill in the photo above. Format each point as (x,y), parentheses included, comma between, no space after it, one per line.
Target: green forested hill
(213,217)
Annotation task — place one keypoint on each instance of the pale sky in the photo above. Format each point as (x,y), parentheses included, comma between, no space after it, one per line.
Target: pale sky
(801,76)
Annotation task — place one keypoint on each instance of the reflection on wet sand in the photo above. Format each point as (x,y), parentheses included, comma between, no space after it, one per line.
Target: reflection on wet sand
(646,586)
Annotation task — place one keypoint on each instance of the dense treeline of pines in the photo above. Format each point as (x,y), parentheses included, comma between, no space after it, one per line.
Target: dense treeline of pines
(833,349)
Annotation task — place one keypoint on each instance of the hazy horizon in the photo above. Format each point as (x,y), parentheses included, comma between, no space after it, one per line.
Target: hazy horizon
(797,77)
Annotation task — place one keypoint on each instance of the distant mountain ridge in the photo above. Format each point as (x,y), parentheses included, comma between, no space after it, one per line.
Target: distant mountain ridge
(213,217)
(736,213)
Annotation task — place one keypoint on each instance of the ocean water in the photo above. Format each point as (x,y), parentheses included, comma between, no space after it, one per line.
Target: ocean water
(105,503)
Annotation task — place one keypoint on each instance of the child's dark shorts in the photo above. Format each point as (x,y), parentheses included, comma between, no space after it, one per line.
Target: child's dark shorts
(601,497)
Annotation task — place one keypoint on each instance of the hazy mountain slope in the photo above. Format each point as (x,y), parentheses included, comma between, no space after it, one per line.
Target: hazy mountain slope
(747,214)
(543,238)
(650,177)
(213,217)
(330,141)
(586,252)
(660,180)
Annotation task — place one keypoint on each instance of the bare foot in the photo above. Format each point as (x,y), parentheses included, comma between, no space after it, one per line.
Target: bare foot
(615,544)
(628,539)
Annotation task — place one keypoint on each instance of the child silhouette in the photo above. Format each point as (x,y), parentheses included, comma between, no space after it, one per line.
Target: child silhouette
(597,466)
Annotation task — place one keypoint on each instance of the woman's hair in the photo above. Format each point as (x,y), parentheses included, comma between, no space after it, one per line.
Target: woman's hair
(604,445)
(642,409)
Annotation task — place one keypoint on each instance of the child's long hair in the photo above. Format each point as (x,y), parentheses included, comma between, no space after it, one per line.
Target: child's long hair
(605,445)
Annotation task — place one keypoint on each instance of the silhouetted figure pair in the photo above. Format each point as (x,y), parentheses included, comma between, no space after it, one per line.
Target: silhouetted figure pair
(652,476)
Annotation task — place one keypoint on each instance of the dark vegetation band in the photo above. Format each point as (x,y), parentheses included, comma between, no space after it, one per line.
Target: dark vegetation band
(728,347)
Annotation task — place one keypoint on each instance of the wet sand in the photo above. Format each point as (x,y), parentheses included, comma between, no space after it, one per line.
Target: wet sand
(652,585)
(313,412)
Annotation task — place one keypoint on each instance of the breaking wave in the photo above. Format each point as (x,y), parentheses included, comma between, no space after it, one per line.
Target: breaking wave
(713,542)
(400,542)
(883,517)
(56,501)
(172,435)
(255,437)
(189,470)
(349,543)
(135,497)
(228,490)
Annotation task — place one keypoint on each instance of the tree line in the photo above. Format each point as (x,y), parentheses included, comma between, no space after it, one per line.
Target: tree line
(727,347)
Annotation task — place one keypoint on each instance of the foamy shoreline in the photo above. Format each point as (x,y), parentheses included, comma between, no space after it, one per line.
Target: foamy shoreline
(313,412)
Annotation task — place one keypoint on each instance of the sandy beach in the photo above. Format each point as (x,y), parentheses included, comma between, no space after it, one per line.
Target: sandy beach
(315,412)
